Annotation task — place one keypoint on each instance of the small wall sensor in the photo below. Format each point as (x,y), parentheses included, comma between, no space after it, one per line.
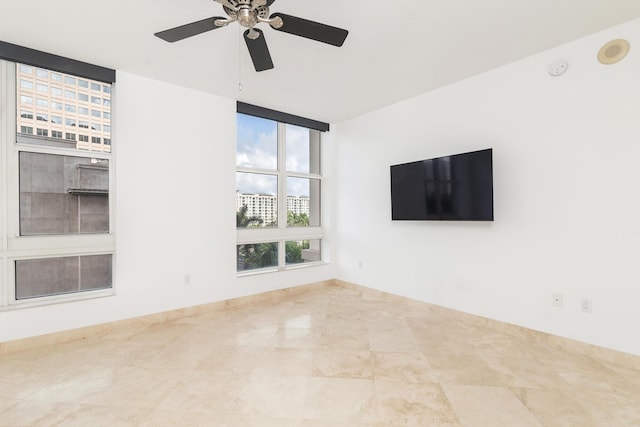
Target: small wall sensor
(558,68)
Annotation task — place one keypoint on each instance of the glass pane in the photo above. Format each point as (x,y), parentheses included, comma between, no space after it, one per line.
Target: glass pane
(253,256)
(256,200)
(303,150)
(31,84)
(303,202)
(63,194)
(301,251)
(54,276)
(257,145)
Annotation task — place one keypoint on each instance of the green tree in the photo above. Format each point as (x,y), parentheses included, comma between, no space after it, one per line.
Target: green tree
(244,221)
(293,252)
(262,255)
(297,220)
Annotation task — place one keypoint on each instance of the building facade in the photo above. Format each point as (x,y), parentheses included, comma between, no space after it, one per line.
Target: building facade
(63,110)
(265,206)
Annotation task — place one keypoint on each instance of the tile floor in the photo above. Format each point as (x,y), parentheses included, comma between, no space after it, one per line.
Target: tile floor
(331,356)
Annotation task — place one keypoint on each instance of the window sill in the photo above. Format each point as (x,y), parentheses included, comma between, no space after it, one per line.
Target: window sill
(58,299)
(300,266)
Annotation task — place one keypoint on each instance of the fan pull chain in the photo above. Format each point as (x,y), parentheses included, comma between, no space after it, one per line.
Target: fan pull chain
(240,61)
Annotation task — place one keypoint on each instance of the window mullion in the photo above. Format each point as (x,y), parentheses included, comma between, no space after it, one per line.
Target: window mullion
(282,191)
(7,95)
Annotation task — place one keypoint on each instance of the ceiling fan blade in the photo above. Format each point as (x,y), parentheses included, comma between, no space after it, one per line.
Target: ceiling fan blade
(311,30)
(189,30)
(270,2)
(259,51)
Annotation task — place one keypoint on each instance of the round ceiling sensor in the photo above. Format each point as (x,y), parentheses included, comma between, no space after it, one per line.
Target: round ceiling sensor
(613,52)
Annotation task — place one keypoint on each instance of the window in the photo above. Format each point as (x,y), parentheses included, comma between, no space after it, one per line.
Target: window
(83,97)
(58,241)
(69,94)
(26,84)
(84,111)
(278,193)
(95,139)
(107,141)
(95,86)
(96,113)
(83,83)
(83,125)
(62,275)
(96,100)
(83,138)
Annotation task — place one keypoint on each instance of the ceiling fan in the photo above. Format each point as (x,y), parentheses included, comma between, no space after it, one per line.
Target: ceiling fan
(248,13)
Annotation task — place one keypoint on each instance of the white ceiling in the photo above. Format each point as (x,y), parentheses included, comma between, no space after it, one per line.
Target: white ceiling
(396,49)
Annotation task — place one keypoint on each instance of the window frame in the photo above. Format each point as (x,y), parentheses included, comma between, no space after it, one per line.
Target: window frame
(15,247)
(283,233)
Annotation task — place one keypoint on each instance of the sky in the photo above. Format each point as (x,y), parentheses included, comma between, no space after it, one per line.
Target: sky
(257,148)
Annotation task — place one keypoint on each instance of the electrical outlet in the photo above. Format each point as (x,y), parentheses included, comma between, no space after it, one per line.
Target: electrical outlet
(187,279)
(556,300)
(585,305)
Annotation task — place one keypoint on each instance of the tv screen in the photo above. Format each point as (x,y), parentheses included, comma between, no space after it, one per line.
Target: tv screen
(450,188)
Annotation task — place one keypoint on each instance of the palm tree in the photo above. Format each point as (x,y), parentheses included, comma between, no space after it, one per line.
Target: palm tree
(297,220)
(243,252)
(293,252)
(244,221)
(262,255)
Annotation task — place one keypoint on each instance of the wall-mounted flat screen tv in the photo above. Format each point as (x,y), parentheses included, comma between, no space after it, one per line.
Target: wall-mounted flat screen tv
(451,188)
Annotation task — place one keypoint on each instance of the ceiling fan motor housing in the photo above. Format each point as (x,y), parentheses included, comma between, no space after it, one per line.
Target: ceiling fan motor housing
(247,12)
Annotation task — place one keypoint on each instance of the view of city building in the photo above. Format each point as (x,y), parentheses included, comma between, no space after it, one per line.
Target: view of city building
(65,193)
(265,206)
(68,111)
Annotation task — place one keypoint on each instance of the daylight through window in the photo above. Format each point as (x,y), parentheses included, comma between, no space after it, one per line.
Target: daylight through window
(278,195)
(59,242)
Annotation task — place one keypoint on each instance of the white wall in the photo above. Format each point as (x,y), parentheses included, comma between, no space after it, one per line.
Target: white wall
(175,212)
(566,189)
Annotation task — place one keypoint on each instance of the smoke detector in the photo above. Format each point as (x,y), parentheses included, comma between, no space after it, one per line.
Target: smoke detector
(558,68)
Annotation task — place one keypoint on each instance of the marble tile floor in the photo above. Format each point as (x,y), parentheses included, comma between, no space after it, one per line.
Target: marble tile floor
(332,356)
